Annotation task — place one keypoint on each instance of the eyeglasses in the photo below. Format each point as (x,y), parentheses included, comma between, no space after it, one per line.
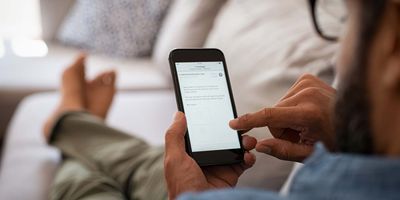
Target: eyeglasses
(329,17)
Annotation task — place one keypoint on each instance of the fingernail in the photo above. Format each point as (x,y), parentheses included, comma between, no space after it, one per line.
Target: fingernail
(265,149)
(233,123)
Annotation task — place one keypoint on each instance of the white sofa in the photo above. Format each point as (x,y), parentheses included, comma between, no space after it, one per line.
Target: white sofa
(268,44)
(29,164)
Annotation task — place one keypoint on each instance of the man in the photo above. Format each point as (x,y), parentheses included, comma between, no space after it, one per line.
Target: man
(360,128)
(103,163)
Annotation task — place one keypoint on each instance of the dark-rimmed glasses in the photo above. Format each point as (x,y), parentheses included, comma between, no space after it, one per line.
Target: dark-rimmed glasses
(329,17)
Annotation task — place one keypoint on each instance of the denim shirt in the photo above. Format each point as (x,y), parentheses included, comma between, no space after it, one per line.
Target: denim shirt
(328,176)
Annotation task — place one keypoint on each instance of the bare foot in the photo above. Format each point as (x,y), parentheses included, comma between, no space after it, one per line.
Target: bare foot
(73,94)
(100,93)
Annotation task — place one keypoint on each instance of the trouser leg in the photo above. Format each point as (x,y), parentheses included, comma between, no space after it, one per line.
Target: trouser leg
(131,162)
(75,181)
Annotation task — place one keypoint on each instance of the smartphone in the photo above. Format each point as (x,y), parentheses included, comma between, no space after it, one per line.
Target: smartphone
(203,92)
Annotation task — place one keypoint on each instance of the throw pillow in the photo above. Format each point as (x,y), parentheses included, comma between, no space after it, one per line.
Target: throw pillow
(186,25)
(122,28)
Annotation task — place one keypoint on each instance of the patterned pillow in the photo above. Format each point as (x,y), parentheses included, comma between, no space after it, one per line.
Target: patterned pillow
(121,28)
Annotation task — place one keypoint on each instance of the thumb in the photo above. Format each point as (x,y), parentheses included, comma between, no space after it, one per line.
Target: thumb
(284,150)
(175,135)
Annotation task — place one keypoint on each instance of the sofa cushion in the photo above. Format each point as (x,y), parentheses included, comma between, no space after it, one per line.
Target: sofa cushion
(268,45)
(28,164)
(123,28)
(39,74)
(187,25)
(52,14)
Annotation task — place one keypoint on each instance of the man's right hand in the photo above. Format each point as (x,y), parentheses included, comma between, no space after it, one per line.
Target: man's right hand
(301,118)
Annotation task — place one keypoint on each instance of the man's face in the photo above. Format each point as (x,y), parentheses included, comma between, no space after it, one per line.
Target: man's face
(368,108)
(349,40)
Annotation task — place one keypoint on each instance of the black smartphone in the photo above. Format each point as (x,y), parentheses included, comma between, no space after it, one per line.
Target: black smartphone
(204,94)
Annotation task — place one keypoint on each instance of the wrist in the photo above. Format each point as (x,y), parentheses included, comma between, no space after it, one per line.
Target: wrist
(174,193)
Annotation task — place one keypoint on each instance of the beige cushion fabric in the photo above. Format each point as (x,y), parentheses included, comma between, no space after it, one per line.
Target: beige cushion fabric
(268,44)
(28,165)
(41,74)
(52,15)
(186,26)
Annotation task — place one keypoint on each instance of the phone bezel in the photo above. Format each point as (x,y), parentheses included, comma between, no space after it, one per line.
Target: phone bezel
(205,158)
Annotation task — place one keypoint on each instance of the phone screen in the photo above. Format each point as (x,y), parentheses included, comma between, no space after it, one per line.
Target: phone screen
(207,106)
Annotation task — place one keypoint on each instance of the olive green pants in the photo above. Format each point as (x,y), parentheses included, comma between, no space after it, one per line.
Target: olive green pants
(100,162)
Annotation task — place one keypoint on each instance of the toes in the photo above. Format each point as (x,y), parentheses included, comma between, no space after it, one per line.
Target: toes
(104,79)
(79,61)
(73,84)
(76,69)
(113,76)
(102,86)
(109,78)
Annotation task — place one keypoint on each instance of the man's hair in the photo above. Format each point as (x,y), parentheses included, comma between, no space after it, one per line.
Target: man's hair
(352,120)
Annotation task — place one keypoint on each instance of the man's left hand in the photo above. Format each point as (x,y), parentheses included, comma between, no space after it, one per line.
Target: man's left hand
(183,174)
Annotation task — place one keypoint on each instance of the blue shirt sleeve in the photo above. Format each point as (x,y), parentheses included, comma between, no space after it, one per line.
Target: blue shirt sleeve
(232,194)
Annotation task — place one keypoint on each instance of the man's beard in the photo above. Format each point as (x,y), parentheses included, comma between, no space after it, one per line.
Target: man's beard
(353,110)
(352,113)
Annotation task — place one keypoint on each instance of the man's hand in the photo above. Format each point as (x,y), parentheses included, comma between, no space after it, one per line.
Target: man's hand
(184,175)
(302,117)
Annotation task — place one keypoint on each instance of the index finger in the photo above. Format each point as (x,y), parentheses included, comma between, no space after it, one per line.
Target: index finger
(277,117)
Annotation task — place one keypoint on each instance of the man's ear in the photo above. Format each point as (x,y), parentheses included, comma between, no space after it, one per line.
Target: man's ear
(391,76)
(392,70)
